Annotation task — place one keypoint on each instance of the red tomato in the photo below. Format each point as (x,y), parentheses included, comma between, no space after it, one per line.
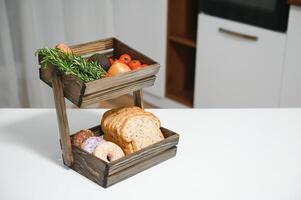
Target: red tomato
(135,64)
(125,58)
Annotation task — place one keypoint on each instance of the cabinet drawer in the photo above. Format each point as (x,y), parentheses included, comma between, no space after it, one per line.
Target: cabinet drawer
(238,65)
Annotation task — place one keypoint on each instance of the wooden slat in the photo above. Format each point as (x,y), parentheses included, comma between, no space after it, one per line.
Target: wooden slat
(141,166)
(127,84)
(138,98)
(144,154)
(104,83)
(92,47)
(73,87)
(168,133)
(89,166)
(62,118)
(111,93)
(183,40)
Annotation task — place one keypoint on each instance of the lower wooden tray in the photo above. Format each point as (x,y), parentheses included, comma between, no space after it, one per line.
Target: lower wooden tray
(107,174)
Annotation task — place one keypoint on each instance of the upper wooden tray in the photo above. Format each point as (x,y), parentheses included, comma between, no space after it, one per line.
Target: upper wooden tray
(82,94)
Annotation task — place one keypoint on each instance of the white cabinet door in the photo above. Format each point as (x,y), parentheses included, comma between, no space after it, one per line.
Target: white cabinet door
(291,90)
(237,71)
(142,24)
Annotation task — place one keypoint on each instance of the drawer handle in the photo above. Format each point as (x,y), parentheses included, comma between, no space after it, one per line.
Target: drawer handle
(237,34)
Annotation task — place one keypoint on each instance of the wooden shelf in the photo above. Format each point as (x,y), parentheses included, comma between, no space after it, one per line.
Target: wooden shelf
(181,50)
(180,76)
(185,97)
(295,2)
(183,40)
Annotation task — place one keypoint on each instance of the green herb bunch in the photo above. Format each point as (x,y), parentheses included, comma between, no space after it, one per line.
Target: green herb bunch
(71,64)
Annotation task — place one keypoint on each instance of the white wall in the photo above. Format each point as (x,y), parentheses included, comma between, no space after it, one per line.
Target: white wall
(142,24)
(33,24)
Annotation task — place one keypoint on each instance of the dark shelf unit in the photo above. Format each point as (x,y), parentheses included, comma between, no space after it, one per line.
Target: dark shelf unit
(181,50)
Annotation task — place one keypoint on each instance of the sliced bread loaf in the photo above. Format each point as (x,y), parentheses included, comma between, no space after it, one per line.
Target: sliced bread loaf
(131,128)
(141,131)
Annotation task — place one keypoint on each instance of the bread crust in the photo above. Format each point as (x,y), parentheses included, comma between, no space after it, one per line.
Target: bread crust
(145,125)
(146,133)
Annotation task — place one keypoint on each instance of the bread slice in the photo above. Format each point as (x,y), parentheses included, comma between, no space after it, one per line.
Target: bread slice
(124,117)
(131,128)
(141,131)
(110,120)
(105,117)
(126,147)
(156,119)
(123,113)
(114,117)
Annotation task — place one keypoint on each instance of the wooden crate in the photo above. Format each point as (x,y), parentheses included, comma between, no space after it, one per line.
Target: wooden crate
(107,174)
(80,93)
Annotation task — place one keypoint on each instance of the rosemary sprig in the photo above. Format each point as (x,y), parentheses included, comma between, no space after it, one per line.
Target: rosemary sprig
(71,64)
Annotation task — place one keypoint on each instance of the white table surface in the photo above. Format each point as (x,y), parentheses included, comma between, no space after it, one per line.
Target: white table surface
(224,154)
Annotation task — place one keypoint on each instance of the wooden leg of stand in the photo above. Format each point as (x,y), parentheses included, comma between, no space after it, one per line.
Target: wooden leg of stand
(138,98)
(57,87)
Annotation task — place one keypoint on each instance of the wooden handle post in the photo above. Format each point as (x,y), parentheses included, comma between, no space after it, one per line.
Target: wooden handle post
(138,98)
(58,93)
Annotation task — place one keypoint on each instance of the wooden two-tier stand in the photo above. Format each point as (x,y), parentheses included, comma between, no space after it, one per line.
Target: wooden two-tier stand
(82,94)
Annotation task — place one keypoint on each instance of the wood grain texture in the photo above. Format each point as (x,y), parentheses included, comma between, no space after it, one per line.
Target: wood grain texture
(76,91)
(124,85)
(109,82)
(183,41)
(180,73)
(92,47)
(141,166)
(138,98)
(62,118)
(181,51)
(73,87)
(171,139)
(89,166)
(106,174)
(124,100)
(295,2)
(117,91)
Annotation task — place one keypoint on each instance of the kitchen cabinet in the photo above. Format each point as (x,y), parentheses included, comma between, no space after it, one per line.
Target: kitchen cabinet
(180,52)
(295,2)
(237,65)
(291,88)
(143,25)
